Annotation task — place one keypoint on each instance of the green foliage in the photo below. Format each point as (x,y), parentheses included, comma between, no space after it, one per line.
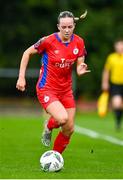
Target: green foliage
(24,22)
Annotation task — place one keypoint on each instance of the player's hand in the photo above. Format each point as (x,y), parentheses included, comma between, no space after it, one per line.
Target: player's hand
(82,69)
(21,83)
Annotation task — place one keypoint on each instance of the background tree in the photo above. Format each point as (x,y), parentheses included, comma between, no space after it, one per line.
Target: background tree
(24,21)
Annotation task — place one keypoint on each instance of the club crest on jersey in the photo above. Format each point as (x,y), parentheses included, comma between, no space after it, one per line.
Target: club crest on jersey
(46,98)
(56,51)
(75,51)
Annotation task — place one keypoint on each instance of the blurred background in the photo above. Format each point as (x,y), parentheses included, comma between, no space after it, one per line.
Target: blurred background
(23,22)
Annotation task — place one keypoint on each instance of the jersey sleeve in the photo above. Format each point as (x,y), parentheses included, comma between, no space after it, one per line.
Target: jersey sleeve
(82,49)
(41,45)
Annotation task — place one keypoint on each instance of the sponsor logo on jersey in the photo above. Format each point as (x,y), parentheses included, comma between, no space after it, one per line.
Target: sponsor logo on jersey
(65,63)
(75,51)
(46,98)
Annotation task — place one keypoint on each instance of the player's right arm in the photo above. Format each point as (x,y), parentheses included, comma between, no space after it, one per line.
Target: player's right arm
(38,47)
(21,82)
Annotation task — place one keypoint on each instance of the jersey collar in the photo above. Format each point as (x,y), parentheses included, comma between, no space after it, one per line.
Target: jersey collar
(58,38)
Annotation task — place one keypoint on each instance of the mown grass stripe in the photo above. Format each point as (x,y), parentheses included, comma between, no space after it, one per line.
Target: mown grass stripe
(94,134)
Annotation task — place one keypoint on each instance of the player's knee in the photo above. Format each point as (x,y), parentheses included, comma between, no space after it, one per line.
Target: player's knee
(117,102)
(63,119)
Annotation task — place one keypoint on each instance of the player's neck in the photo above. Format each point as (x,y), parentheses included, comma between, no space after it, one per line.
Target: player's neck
(63,40)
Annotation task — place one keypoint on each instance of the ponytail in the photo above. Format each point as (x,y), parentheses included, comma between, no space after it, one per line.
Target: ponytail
(81,17)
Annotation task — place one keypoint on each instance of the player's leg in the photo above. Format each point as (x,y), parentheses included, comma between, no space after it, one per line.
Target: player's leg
(52,123)
(63,138)
(68,127)
(116,92)
(49,125)
(58,112)
(118,109)
(58,117)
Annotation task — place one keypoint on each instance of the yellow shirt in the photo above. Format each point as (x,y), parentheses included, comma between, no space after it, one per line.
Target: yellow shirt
(114,64)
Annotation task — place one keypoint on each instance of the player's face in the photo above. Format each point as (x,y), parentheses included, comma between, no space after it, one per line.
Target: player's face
(119,47)
(66,27)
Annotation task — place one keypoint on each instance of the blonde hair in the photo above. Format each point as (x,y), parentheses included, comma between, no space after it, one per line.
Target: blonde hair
(82,16)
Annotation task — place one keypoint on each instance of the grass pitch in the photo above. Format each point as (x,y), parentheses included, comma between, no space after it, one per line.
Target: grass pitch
(85,157)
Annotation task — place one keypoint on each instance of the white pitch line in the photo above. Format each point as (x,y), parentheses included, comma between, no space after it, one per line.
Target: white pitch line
(94,134)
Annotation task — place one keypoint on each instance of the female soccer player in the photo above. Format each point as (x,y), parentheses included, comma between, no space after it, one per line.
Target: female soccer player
(59,52)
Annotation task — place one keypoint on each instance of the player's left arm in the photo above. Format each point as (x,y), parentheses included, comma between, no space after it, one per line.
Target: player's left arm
(82,67)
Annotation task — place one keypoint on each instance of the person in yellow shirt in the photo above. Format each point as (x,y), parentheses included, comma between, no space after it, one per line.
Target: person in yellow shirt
(112,80)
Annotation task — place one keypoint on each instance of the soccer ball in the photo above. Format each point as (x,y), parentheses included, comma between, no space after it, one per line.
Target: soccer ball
(51,161)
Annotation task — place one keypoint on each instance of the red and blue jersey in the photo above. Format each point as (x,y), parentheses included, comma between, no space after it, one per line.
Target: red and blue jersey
(57,61)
